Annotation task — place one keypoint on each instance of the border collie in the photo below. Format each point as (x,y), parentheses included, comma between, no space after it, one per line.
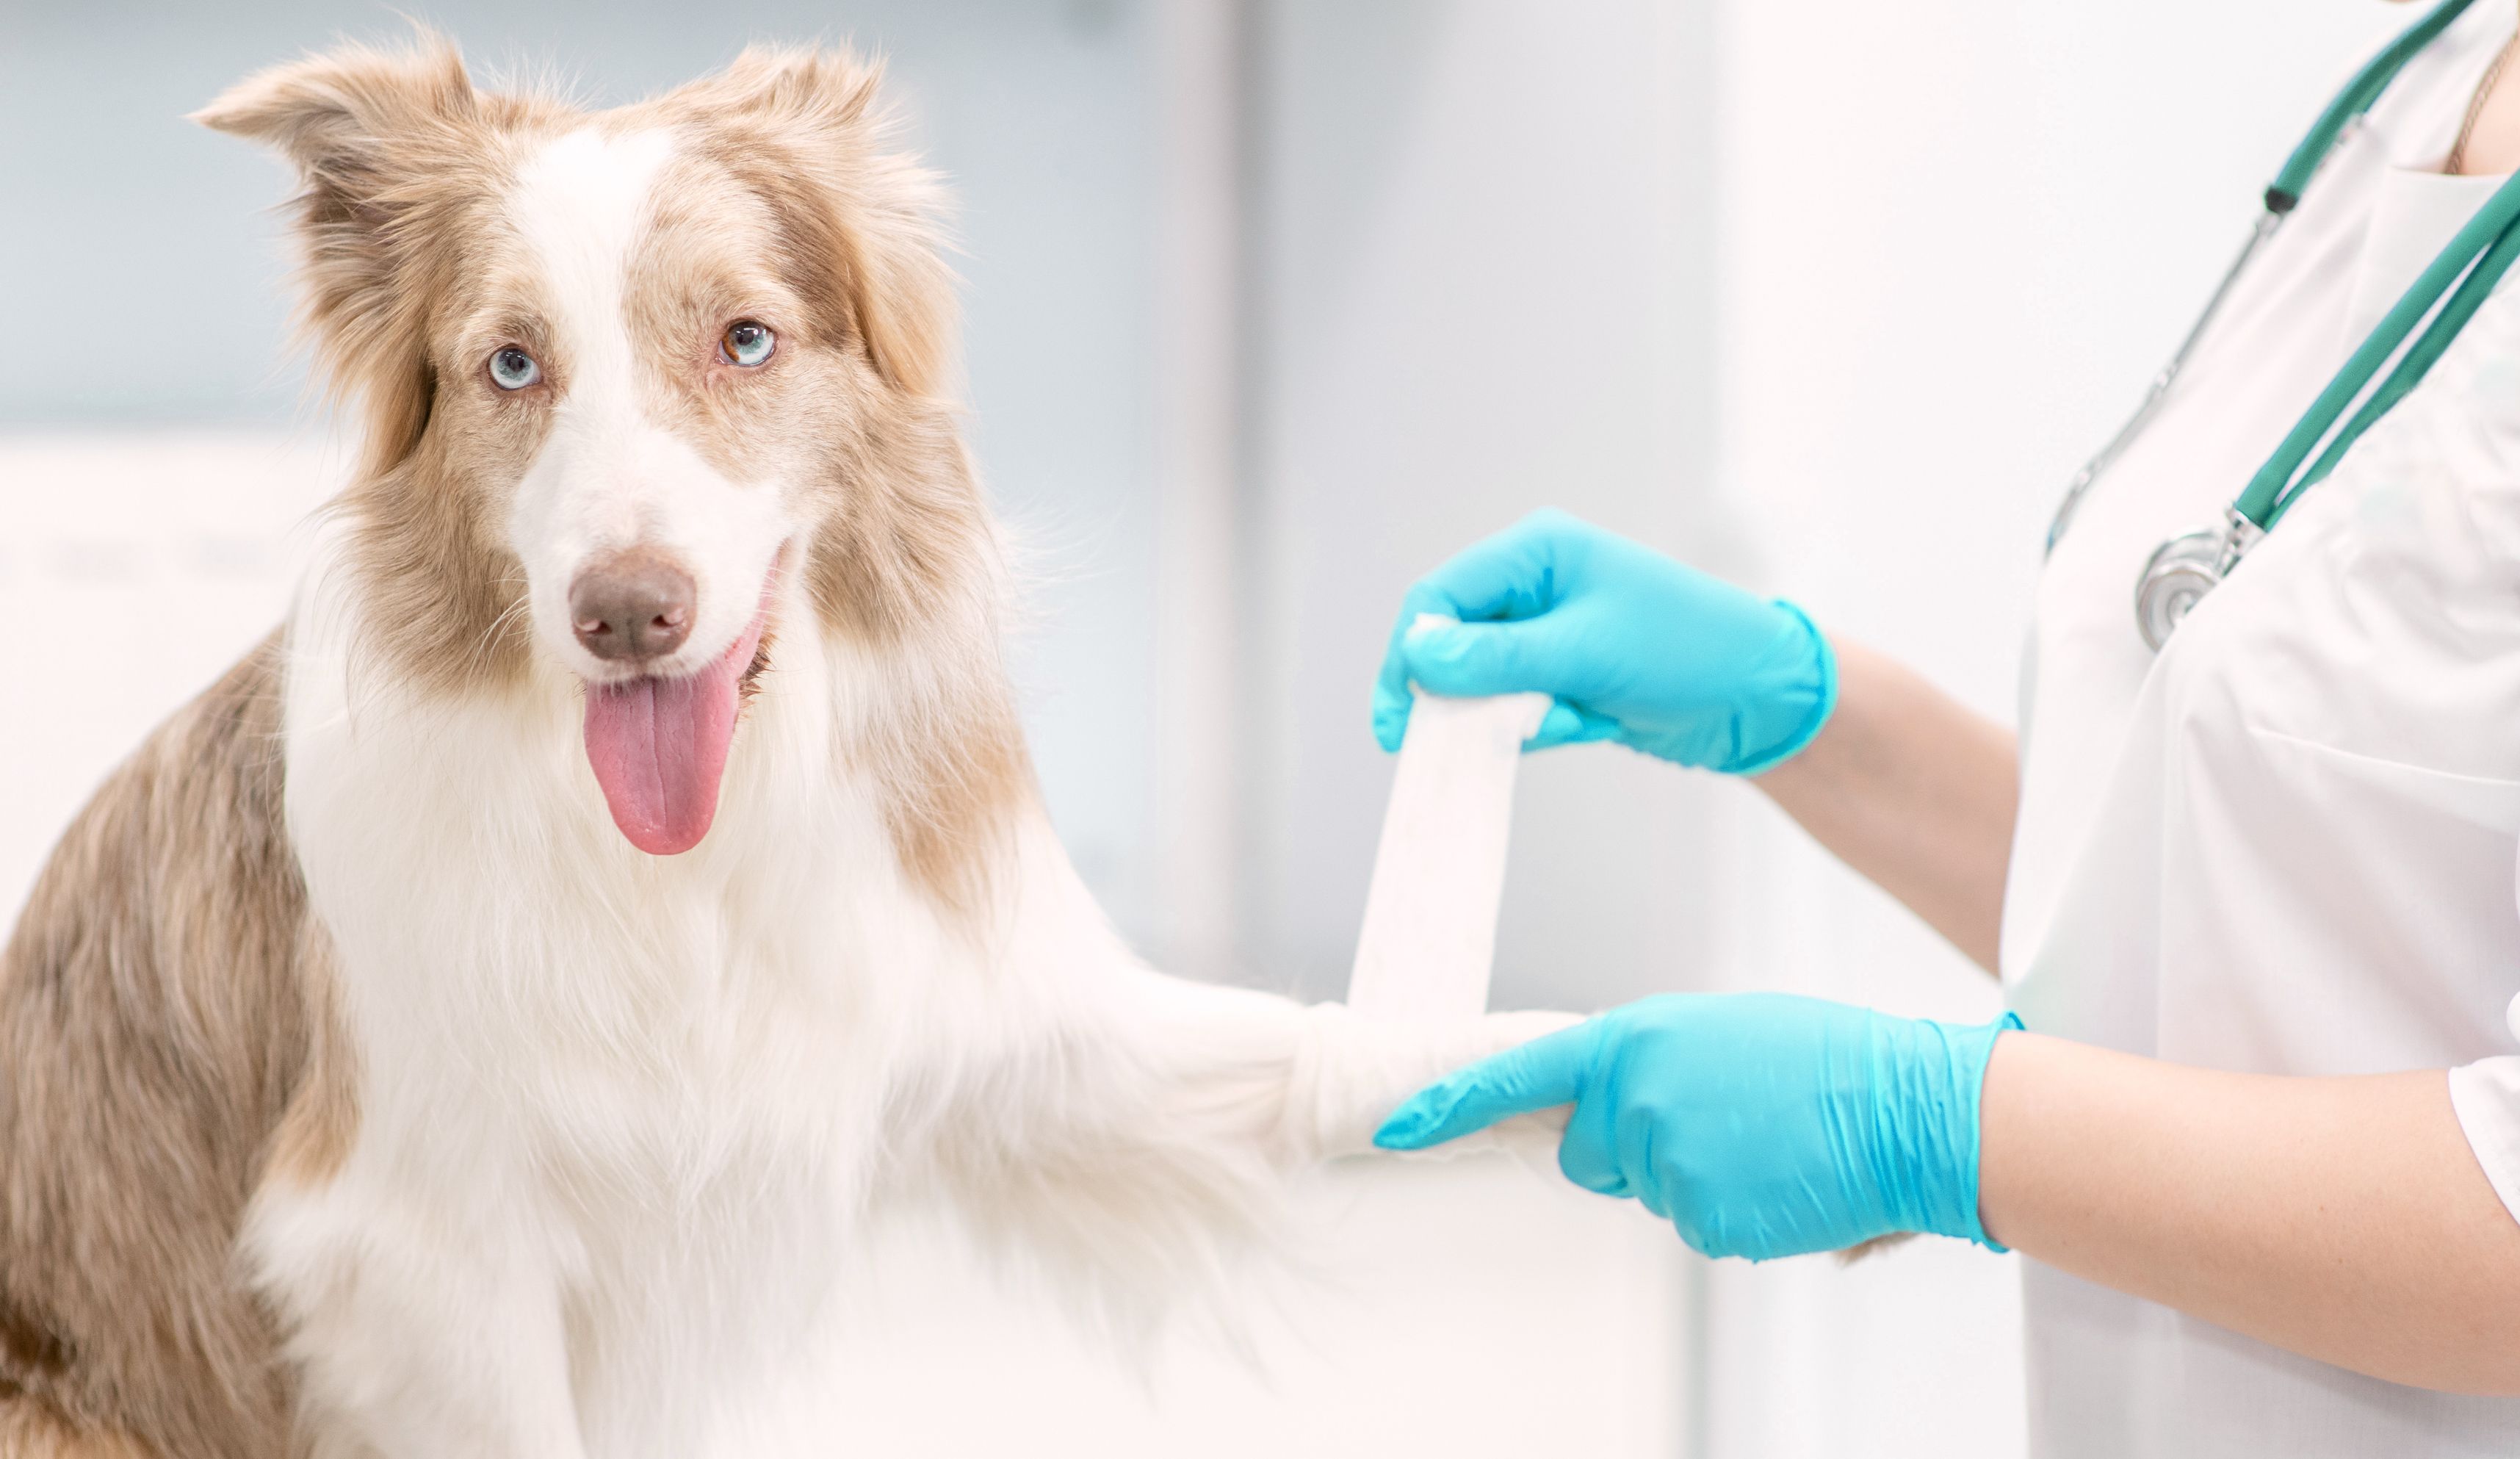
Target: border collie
(484,1021)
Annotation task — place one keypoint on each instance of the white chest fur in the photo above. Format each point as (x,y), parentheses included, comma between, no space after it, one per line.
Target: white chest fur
(648,1094)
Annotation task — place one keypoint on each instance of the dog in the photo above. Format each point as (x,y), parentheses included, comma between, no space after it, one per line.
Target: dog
(483,1021)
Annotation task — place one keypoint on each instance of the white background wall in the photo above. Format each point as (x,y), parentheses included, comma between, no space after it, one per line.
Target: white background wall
(1273,304)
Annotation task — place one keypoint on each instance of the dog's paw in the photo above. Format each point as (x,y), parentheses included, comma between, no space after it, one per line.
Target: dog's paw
(1356,1071)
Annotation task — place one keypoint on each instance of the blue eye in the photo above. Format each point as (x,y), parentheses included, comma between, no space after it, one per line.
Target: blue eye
(748,342)
(512,369)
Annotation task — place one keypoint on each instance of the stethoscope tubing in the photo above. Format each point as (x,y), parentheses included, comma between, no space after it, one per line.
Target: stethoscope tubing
(2351,104)
(2474,260)
(2280,196)
(2441,301)
(2159,389)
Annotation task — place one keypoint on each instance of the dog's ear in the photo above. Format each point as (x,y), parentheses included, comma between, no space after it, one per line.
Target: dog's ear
(339,116)
(381,140)
(867,219)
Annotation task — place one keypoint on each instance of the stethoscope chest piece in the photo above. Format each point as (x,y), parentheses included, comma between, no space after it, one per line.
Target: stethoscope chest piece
(2176,578)
(2183,571)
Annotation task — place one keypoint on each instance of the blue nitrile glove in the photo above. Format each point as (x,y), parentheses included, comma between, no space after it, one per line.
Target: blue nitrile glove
(1633,646)
(1758,1124)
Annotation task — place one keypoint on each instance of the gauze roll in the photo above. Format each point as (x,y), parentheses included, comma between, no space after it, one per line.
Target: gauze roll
(1428,945)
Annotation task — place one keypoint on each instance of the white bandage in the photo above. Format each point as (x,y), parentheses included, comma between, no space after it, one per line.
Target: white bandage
(1428,945)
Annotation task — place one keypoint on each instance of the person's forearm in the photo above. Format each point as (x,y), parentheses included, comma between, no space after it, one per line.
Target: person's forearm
(2342,1219)
(1914,789)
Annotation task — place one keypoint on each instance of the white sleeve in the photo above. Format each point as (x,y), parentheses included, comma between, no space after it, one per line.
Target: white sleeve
(2486,1095)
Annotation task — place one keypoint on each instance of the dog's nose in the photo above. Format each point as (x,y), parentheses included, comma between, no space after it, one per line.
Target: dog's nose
(632,606)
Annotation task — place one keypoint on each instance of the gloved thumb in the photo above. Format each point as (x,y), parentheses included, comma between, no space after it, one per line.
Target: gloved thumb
(1470,660)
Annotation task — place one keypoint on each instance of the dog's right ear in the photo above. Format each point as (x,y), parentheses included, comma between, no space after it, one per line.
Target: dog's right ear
(381,140)
(344,115)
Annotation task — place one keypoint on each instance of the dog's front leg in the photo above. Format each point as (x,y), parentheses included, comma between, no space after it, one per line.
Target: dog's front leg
(1299,1083)
(418,1334)
(1143,1145)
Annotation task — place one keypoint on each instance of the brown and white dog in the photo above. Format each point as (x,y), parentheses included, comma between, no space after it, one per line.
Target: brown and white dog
(481,1024)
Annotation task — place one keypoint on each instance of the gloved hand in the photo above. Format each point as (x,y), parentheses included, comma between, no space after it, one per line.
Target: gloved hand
(1633,646)
(1758,1124)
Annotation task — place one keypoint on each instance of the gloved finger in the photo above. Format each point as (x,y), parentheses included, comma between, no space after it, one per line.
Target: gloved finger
(1570,724)
(1588,1154)
(1548,1071)
(1514,574)
(1391,699)
(1467,660)
(1390,718)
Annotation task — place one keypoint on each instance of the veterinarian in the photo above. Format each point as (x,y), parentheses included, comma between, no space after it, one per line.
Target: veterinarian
(2248,877)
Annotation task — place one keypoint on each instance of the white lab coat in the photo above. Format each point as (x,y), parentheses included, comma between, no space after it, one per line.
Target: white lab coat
(2289,844)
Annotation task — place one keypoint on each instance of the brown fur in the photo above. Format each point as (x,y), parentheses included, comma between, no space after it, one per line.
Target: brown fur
(29,1431)
(402,163)
(159,1021)
(787,197)
(168,1032)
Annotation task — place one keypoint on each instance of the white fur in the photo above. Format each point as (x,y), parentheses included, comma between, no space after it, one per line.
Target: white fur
(607,475)
(621,1117)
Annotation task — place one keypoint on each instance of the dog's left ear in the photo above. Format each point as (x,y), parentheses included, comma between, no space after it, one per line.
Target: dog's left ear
(866,219)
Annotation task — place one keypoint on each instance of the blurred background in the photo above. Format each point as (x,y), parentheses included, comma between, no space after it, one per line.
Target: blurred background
(1271,304)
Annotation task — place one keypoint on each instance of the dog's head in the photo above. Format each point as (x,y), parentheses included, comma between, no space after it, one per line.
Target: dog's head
(623,372)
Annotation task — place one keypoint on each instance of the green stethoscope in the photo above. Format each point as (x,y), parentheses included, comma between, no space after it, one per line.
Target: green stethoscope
(2184,569)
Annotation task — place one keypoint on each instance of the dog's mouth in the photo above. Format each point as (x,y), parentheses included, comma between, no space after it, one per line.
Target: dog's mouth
(659,745)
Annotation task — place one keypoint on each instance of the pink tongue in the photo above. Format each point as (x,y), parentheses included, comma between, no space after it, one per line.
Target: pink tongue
(658,746)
